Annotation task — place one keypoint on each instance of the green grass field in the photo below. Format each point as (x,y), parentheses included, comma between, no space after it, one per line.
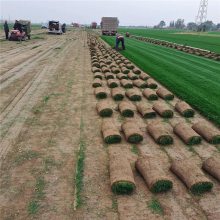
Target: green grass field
(208,41)
(192,78)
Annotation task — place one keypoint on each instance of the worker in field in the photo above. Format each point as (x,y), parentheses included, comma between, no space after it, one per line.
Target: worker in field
(6,29)
(63,28)
(17,26)
(120,38)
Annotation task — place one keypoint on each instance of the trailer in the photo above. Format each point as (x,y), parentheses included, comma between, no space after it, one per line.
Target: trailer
(94,25)
(109,25)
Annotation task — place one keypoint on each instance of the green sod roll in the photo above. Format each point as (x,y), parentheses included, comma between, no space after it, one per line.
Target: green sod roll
(165,94)
(153,174)
(126,109)
(163,109)
(184,109)
(121,175)
(134,94)
(150,94)
(100,93)
(104,108)
(117,94)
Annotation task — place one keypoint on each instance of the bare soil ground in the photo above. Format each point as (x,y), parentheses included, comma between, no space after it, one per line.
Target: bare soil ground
(47,114)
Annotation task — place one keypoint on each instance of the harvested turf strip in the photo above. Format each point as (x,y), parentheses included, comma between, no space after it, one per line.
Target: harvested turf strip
(132,76)
(97,83)
(134,94)
(126,83)
(95,69)
(184,109)
(105,69)
(163,110)
(151,83)
(150,94)
(121,76)
(165,94)
(140,83)
(98,75)
(130,66)
(153,174)
(117,94)
(145,110)
(125,70)
(160,132)
(104,108)
(110,132)
(136,71)
(207,131)
(113,65)
(144,76)
(191,175)
(112,83)
(187,134)
(95,64)
(115,70)
(126,109)
(109,75)
(132,132)
(212,166)
(100,93)
(121,175)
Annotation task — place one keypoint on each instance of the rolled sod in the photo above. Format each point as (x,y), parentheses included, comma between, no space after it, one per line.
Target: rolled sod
(151,83)
(115,70)
(125,70)
(130,66)
(104,108)
(161,132)
(105,69)
(96,64)
(140,83)
(113,65)
(122,65)
(165,94)
(100,93)
(118,61)
(109,75)
(97,83)
(132,76)
(154,176)
(95,69)
(145,110)
(163,110)
(187,134)
(191,175)
(121,175)
(117,94)
(184,109)
(126,109)
(112,83)
(144,76)
(126,61)
(108,61)
(110,132)
(126,83)
(136,71)
(208,132)
(150,94)
(134,94)
(212,166)
(132,132)
(121,76)
(102,65)
(98,75)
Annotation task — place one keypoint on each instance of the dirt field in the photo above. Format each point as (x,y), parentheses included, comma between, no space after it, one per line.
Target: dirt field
(48,115)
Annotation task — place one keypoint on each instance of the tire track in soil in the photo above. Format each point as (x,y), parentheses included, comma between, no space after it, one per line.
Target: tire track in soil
(23,68)
(12,124)
(52,136)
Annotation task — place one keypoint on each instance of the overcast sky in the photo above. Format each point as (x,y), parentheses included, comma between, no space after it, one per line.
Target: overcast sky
(130,12)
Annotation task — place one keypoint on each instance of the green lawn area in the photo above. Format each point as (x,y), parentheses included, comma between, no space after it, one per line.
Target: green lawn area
(194,79)
(208,41)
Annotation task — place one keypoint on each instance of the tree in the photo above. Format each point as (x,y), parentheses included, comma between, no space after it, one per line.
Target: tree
(161,24)
(192,26)
(218,26)
(179,24)
(172,24)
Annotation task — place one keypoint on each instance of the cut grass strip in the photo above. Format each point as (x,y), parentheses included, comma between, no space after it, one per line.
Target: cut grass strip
(123,187)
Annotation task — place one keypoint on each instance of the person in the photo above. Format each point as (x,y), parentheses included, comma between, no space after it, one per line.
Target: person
(17,26)
(6,29)
(120,38)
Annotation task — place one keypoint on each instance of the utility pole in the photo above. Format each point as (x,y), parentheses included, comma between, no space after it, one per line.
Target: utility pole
(202,13)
